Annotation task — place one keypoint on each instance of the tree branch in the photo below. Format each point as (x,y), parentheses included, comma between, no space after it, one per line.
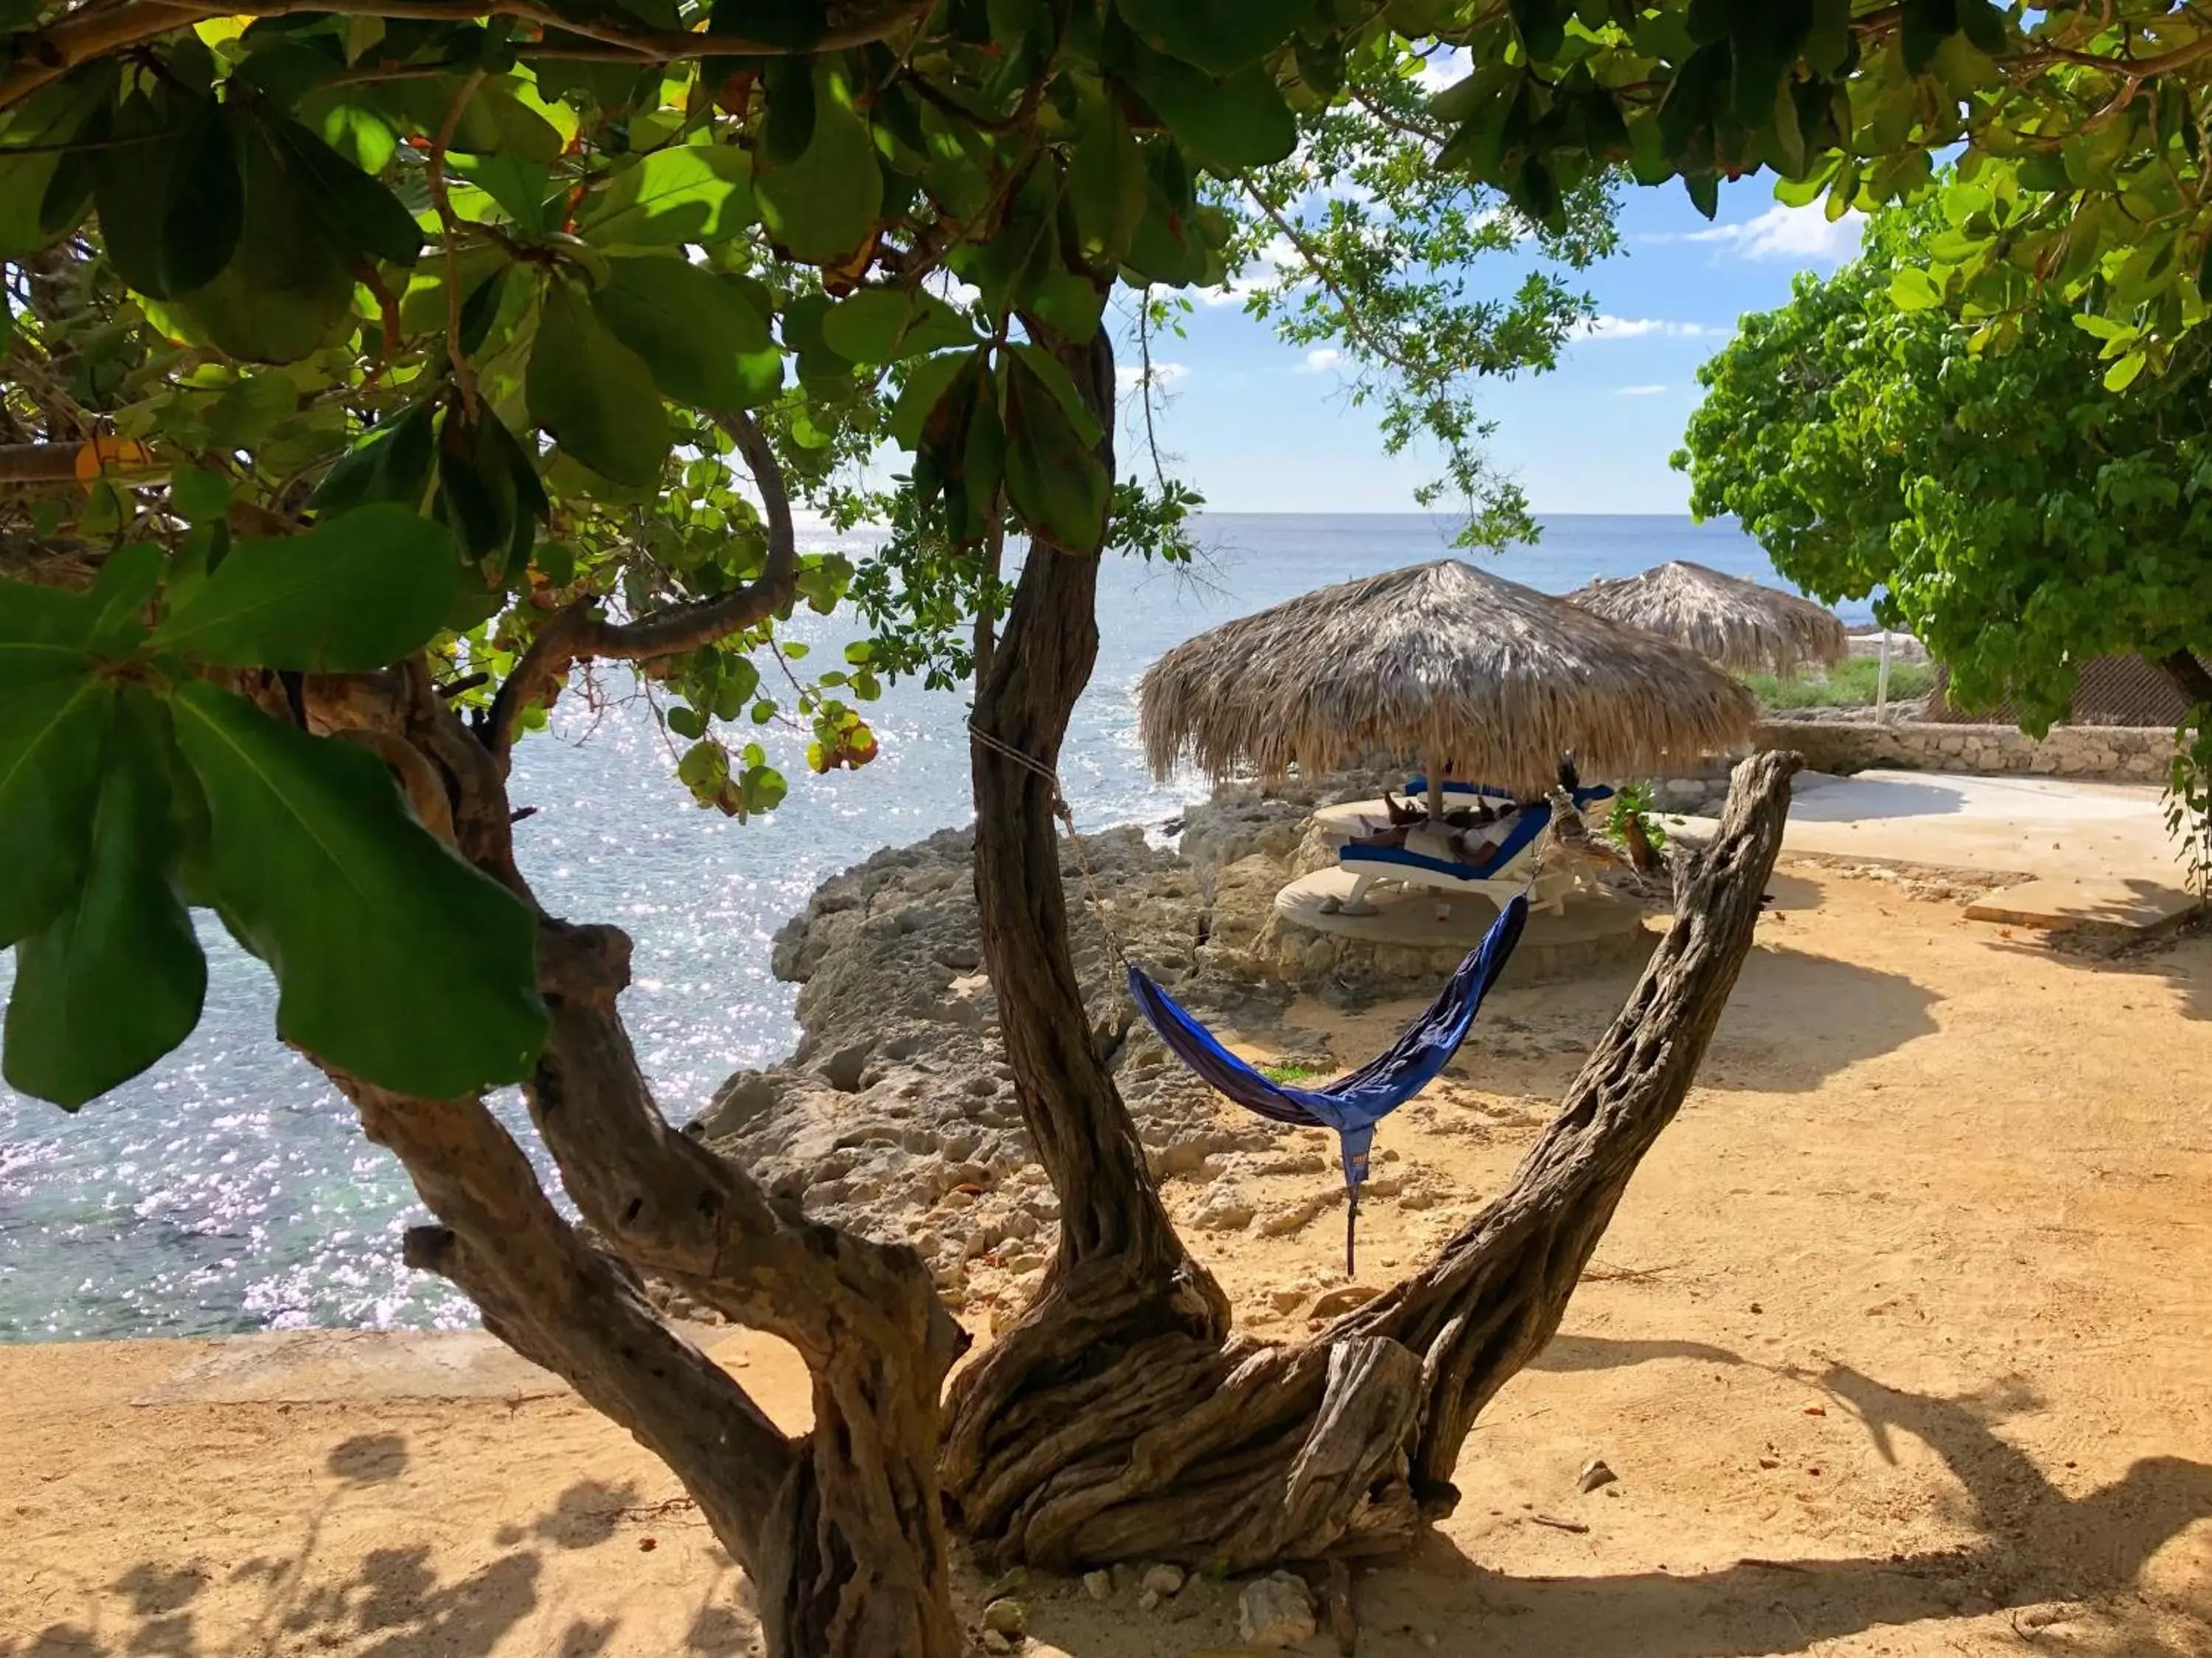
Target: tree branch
(1493,1298)
(677,1209)
(433,174)
(93,33)
(1355,327)
(580,633)
(575,1310)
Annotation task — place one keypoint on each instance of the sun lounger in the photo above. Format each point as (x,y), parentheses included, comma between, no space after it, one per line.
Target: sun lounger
(1507,872)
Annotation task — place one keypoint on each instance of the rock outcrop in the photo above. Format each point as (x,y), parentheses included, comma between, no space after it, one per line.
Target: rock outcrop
(896,1114)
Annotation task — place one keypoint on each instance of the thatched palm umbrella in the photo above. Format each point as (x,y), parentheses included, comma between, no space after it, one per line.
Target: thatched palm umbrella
(1743,626)
(1441,662)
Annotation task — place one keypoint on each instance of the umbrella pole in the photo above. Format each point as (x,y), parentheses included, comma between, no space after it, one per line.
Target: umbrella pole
(1437,792)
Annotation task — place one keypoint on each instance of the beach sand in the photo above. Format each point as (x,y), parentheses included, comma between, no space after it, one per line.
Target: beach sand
(1901,1344)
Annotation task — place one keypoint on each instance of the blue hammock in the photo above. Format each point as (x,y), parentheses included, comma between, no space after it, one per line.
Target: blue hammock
(1354,1103)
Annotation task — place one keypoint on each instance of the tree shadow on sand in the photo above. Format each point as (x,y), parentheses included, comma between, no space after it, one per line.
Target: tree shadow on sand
(2038,1545)
(2180,960)
(394,1604)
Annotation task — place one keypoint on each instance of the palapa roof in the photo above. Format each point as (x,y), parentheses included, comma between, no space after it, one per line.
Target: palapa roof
(1738,624)
(1435,662)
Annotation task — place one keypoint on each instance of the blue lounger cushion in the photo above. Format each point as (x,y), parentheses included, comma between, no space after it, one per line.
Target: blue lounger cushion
(1531,825)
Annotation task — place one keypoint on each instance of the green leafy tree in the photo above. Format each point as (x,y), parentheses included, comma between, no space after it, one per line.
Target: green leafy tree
(2022,510)
(376,370)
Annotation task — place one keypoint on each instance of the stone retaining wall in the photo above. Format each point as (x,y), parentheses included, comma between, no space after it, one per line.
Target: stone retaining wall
(2104,754)
(2114,753)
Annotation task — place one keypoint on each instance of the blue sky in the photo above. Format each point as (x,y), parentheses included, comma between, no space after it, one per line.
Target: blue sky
(1259,428)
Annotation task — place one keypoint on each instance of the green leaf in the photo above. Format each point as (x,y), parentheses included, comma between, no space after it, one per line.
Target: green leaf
(120,594)
(286,290)
(354,593)
(1828,42)
(1054,478)
(475,484)
(1219,36)
(355,211)
(394,959)
(498,121)
(392,462)
(2124,373)
(249,409)
(690,192)
(1070,304)
(345,121)
(1912,290)
(1048,369)
(202,496)
(1232,125)
(883,324)
(788,126)
(170,192)
(1984,21)
(822,206)
(53,718)
(1164,246)
(926,382)
(1924,26)
(1541,25)
(114,980)
(130,188)
(204,216)
(697,332)
(740,679)
(519,186)
(481,309)
(1106,184)
(49,118)
(594,395)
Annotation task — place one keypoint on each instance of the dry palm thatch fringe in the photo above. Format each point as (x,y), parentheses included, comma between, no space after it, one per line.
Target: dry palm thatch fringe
(1741,625)
(1436,661)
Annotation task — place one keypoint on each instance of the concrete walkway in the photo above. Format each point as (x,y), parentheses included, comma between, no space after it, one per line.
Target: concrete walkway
(1998,826)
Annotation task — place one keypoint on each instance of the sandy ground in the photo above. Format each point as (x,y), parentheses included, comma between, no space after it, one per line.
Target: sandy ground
(1901,1344)
(2049,826)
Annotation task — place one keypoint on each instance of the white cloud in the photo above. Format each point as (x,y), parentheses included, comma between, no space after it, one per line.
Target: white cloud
(1805,234)
(1265,269)
(1606,326)
(1637,391)
(1130,376)
(1443,69)
(1320,361)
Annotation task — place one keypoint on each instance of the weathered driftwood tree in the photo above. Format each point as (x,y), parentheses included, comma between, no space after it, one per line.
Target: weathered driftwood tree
(374,368)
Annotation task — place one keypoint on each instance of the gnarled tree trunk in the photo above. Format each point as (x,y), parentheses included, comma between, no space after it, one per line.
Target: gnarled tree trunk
(842,1529)
(1118,1417)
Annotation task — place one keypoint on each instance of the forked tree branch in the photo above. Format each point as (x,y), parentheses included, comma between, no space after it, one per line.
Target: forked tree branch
(580,633)
(1097,1428)
(92,32)
(575,1310)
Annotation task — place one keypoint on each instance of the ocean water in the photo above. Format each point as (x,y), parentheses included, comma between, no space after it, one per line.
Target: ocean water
(229,1189)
